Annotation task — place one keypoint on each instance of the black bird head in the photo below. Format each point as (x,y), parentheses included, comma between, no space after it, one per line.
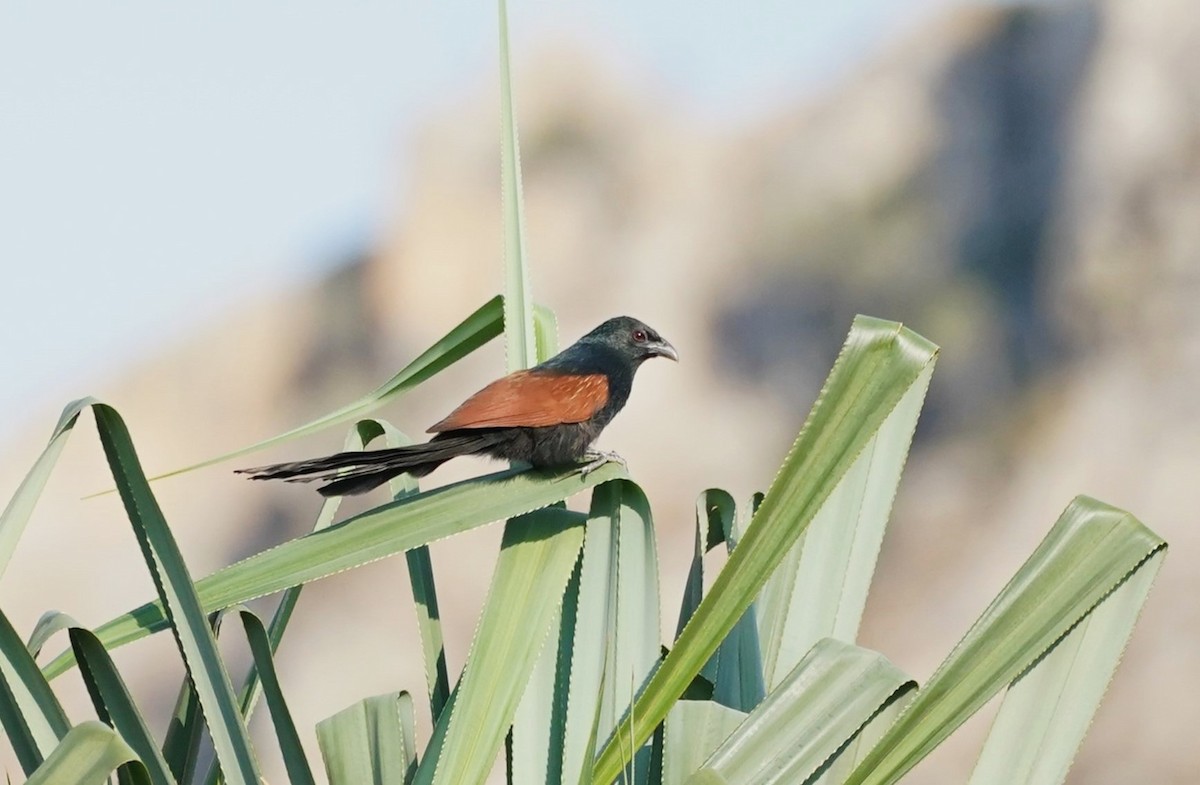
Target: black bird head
(635,340)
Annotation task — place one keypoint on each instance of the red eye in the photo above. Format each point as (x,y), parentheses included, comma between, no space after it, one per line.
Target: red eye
(639,336)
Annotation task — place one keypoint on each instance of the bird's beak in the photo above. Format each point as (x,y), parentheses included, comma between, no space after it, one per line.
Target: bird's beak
(663,349)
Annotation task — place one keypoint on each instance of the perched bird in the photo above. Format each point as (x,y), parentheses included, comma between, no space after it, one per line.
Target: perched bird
(546,416)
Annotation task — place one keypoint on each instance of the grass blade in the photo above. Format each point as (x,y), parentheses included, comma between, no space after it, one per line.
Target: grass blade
(31,714)
(88,755)
(537,557)
(285,729)
(193,635)
(821,588)
(880,362)
(375,534)
(1046,713)
(816,710)
(16,514)
(114,705)
(372,742)
(1090,551)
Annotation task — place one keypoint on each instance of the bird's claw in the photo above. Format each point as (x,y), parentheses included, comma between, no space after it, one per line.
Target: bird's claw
(597,458)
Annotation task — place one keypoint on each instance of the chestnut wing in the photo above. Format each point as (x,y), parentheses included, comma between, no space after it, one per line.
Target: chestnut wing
(530,399)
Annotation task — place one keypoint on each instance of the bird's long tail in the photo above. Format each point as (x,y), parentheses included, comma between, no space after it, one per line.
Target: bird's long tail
(360,471)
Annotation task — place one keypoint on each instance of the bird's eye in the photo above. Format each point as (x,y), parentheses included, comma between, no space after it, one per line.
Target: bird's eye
(639,336)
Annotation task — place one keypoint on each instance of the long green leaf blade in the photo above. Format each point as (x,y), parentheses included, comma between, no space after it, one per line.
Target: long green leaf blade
(633,637)
(695,729)
(537,557)
(821,588)
(1046,713)
(473,332)
(371,742)
(357,439)
(30,712)
(521,343)
(16,514)
(823,703)
(114,705)
(281,717)
(181,747)
(88,755)
(193,635)
(879,363)
(51,622)
(587,648)
(1090,550)
(375,534)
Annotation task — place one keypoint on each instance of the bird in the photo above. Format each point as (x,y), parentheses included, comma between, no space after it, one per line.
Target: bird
(547,416)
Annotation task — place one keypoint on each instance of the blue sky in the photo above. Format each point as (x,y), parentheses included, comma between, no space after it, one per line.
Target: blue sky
(159,164)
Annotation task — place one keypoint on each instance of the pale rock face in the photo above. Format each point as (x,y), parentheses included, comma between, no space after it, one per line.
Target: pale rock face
(1019,185)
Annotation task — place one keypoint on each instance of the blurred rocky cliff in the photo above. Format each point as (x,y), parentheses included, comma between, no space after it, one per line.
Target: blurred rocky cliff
(1021,185)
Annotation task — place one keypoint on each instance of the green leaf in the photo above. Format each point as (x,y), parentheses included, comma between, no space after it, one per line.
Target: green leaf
(694,731)
(1089,552)
(521,343)
(836,772)
(545,326)
(879,364)
(88,755)
(50,623)
(821,587)
(357,439)
(815,711)
(31,714)
(372,742)
(373,535)
(16,515)
(537,556)
(114,705)
(429,623)
(285,729)
(424,590)
(632,642)
(608,638)
(181,748)
(584,672)
(545,702)
(1046,713)
(473,332)
(193,635)
(735,669)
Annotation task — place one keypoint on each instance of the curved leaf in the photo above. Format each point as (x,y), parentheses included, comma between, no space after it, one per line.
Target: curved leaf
(375,534)
(193,635)
(89,753)
(878,365)
(20,506)
(473,332)
(537,557)
(114,705)
(1092,549)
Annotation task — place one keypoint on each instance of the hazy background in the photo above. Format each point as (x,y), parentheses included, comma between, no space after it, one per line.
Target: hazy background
(227,220)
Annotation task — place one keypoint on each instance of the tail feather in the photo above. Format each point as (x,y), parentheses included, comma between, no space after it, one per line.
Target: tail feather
(360,471)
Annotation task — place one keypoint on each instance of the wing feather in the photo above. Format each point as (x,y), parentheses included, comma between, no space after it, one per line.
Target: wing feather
(530,399)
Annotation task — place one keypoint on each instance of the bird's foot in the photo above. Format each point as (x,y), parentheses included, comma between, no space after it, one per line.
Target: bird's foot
(597,458)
